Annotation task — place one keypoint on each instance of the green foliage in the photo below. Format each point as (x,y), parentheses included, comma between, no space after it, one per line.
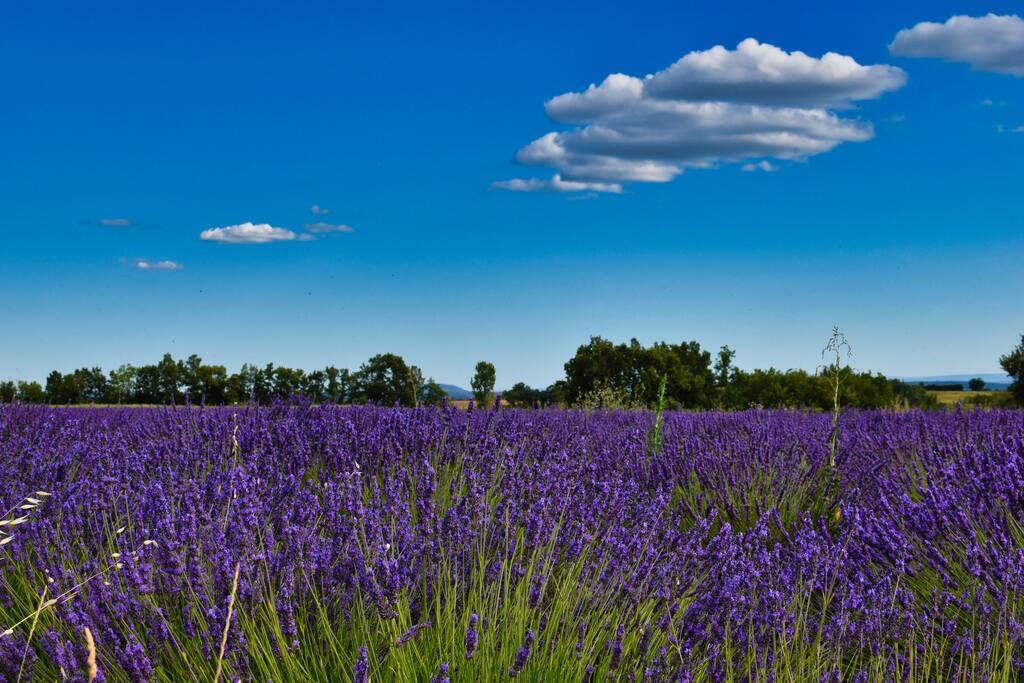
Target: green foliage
(521,395)
(482,383)
(636,371)
(607,397)
(976,384)
(1013,364)
(654,440)
(386,380)
(431,393)
(913,396)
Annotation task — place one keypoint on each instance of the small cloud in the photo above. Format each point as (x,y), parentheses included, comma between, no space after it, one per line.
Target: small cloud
(896,118)
(992,43)
(556,184)
(1003,129)
(116,222)
(322,227)
(143,264)
(318,210)
(247,233)
(763,165)
(582,197)
(987,103)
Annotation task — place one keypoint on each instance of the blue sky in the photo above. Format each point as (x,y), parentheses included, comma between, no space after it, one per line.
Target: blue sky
(179,118)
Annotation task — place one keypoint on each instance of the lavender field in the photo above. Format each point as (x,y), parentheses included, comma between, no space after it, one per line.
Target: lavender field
(302,543)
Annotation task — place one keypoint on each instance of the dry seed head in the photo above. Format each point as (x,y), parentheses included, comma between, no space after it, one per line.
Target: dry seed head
(90,646)
(43,494)
(120,531)
(7,540)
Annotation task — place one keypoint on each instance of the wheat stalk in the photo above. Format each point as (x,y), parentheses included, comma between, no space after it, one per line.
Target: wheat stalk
(227,623)
(31,631)
(90,646)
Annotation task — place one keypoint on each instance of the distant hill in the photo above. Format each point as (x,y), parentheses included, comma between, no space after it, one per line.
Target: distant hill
(457,393)
(994,381)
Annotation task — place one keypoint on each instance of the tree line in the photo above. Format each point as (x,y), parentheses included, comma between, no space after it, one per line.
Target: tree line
(601,374)
(605,374)
(386,379)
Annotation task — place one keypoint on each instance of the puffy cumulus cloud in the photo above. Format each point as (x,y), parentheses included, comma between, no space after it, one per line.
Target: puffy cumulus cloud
(115,222)
(247,233)
(990,43)
(322,227)
(555,184)
(143,264)
(758,73)
(709,108)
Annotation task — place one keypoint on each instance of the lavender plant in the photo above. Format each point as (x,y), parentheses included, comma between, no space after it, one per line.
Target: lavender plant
(303,543)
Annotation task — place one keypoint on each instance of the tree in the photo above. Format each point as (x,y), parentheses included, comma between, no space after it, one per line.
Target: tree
(1013,364)
(169,373)
(189,373)
(431,393)
(338,384)
(93,383)
(314,386)
(287,381)
(724,367)
(385,379)
(147,385)
(8,392)
(483,383)
(521,395)
(31,392)
(633,373)
(976,384)
(121,384)
(211,384)
(62,389)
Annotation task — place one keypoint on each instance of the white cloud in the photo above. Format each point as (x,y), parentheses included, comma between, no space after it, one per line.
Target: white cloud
(555,184)
(709,108)
(763,165)
(247,233)
(1003,129)
(758,73)
(990,43)
(318,210)
(143,264)
(322,227)
(115,222)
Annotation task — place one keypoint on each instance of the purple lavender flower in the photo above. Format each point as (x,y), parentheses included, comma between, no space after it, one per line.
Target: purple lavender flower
(523,655)
(442,674)
(361,674)
(471,636)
